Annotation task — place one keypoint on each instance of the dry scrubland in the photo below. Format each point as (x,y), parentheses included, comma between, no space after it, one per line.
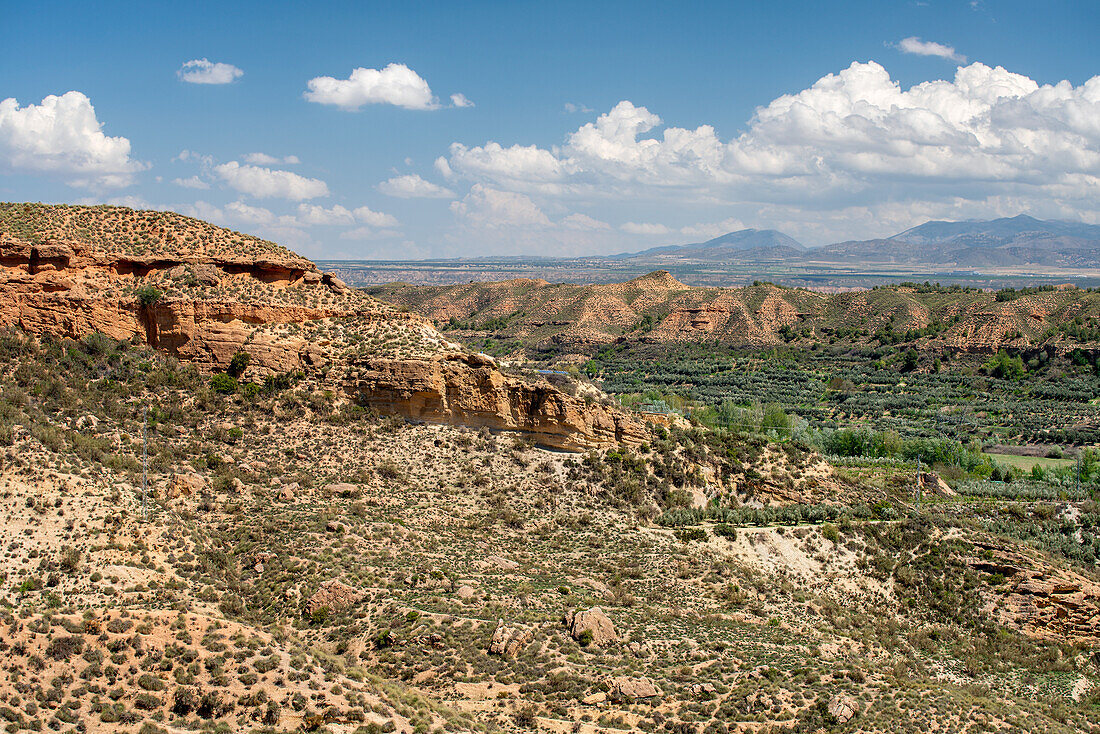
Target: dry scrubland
(298,561)
(304,564)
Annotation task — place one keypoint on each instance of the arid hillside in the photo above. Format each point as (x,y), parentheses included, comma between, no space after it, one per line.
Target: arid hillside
(656,309)
(240,496)
(288,562)
(208,296)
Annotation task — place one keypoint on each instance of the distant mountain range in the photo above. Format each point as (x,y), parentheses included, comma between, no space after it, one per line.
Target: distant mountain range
(1010,241)
(743,244)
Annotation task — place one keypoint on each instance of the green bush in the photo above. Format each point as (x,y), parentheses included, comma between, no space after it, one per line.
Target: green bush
(223,383)
(238,364)
(148,295)
(689,535)
(726,531)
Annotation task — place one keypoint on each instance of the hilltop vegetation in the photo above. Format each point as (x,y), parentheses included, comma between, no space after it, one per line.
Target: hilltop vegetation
(136,233)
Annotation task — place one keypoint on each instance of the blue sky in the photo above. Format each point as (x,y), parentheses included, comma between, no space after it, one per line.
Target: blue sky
(581,127)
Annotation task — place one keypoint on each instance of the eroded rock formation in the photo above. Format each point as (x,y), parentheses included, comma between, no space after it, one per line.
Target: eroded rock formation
(470,390)
(203,294)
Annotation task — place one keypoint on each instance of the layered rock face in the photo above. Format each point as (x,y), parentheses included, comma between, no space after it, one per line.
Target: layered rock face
(203,294)
(192,308)
(470,390)
(1041,599)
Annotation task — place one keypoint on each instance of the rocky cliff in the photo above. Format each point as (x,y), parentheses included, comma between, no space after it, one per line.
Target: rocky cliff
(470,390)
(203,294)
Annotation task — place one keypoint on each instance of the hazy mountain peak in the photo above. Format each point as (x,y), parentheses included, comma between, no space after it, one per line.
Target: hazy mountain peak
(748,239)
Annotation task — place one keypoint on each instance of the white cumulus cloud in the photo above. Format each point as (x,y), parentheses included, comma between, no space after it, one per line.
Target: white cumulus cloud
(914,45)
(192,182)
(460,100)
(263,159)
(265,183)
(853,138)
(204,71)
(62,136)
(493,209)
(644,228)
(412,186)
(396,84)
(339,215)
(314,214)
(517,163)
(583,222)
(375,219)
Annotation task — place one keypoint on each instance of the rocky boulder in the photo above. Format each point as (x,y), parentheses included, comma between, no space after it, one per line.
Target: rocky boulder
(335,596)
(185,485)
(843,708)
(591,626)
(624,688)
(508,641)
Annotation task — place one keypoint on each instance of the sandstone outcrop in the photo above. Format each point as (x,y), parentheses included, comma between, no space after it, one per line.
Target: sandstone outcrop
(843,708)
(508,641)
(185,485)
(623,687)
(203,294)
(335,596)
(470,390)
(591,625)
(1041,600)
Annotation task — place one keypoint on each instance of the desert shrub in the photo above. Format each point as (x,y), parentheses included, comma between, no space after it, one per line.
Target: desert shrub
(223,383)
(689,535)
(147,702)
(63,648)
(238,364)
(185,701)
(70,559)
(148,295)
(726,531)
(149,682)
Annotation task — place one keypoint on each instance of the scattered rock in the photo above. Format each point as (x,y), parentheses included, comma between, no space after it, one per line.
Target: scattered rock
(1081,686)
(843,708)
(624,687)
(260,559)
(288,491)
(333,527)
(333,595)
(465,592)
(507,640)
(700,689)
(341,488)
(185,485)
(595,698)
(88,423)
(934,484)
(592,626)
